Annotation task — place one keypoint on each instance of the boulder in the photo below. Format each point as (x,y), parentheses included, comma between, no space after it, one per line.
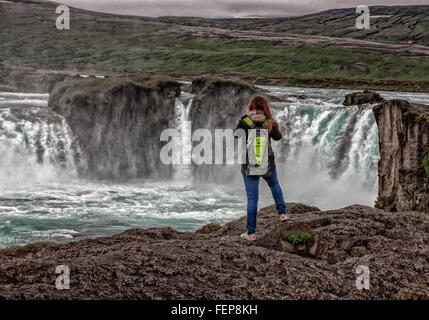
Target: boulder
(364,97)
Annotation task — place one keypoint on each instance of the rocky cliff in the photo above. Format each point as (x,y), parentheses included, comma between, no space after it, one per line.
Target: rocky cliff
(403,168)
(118,122)
(218,104)
(214,263)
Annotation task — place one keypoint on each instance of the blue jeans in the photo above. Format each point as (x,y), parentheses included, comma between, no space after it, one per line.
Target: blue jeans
(252,191)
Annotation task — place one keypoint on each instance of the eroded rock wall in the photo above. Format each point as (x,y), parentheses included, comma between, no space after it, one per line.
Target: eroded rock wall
(218,104)
(404,141)
(118,122)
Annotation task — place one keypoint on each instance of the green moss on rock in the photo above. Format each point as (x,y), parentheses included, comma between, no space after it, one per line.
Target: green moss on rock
(297,237)
(425,162)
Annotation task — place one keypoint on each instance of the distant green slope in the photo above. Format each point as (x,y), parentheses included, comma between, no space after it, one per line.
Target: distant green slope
(389,24)
(114,43)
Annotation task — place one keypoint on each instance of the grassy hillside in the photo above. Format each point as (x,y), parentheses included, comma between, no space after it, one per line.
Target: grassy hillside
(388,24)
(107,42)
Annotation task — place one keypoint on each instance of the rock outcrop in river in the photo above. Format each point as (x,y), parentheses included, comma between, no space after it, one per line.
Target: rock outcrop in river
(214,263)
(218,104)
(118,122)
(403,169)
(358,98)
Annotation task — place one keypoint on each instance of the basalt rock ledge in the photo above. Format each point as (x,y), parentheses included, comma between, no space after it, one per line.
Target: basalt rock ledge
(403,168)
(117,122)
(214,263)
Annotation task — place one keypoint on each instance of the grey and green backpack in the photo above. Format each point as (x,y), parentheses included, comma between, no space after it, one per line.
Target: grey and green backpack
(258,148)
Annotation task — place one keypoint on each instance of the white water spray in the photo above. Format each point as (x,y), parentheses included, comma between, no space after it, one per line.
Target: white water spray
(36,146)
(328,156)
(183,171)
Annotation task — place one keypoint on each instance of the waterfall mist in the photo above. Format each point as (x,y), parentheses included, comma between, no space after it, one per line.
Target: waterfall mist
(36,145)
(328,156)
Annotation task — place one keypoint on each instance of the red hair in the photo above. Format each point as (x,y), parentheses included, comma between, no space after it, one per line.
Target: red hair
(260,103)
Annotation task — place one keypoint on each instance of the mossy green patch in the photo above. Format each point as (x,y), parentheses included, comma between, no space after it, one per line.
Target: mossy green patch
(425,162)
(297,237)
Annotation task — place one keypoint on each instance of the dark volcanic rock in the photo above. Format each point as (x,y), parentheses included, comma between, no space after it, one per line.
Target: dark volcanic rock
(404,141)
(118,122)
(358,98)
(217,264)
(218,104)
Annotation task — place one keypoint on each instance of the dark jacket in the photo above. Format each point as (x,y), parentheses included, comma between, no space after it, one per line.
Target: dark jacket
(275,134)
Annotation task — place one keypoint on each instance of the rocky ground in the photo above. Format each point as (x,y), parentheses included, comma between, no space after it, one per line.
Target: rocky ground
(214,263)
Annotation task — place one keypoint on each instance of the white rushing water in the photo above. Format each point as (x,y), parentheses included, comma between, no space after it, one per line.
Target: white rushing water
(328,158)
(32,150)
(183,172)
(329,153)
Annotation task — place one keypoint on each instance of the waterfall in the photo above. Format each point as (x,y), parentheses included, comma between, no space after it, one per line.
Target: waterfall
(183,105)
(329,153)
(36,145)
(328,156)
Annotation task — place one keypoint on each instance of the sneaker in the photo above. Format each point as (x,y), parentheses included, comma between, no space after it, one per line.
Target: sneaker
(249,237)
(284,217)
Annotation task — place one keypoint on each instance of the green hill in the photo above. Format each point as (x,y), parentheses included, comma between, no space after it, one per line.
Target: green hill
(388,24)
(255,48)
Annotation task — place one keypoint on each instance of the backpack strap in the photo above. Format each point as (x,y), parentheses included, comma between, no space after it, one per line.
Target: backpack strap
(249,122)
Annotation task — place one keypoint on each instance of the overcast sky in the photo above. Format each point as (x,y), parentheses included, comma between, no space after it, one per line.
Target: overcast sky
(224,8)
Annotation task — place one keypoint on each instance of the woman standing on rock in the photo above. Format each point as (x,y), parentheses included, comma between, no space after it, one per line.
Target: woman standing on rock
(259,127)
